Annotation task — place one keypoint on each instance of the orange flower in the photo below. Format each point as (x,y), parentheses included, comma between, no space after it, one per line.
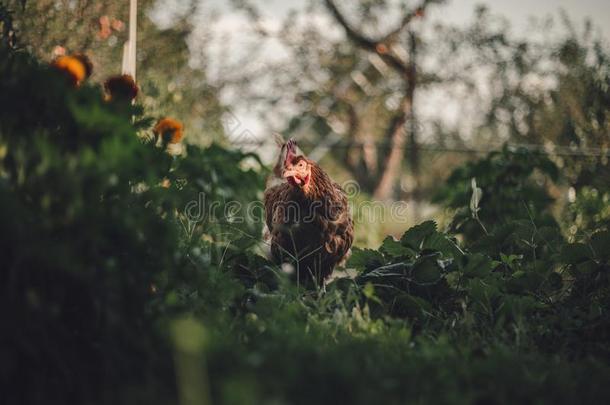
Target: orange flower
(165,183)
(121,88)
(77,67)
(86,62)
(170,130)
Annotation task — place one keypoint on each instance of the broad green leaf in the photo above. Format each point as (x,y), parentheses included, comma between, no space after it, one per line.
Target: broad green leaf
(440,242)
(426,272)
(409,305)
(395,249)
(477,265)
(484,291)
(415,236)
(365,259)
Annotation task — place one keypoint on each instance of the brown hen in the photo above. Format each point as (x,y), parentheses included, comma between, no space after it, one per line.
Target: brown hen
(307,216)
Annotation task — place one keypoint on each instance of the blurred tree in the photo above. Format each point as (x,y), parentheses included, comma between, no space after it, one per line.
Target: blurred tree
(545,91)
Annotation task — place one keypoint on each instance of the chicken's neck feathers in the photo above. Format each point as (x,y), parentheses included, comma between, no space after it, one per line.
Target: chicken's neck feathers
(321,186)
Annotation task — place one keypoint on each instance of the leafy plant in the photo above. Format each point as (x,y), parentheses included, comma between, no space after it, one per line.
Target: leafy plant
(92,246)
(504,187)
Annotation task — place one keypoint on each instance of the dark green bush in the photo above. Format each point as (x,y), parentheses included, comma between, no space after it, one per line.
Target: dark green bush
(91,240)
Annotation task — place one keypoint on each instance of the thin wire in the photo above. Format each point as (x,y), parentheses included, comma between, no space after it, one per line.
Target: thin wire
(514,148)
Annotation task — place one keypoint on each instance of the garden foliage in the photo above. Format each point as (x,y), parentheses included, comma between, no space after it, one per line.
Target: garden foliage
(120,283)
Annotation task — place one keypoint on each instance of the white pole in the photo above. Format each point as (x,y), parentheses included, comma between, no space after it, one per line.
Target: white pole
(125,63)
(129,50)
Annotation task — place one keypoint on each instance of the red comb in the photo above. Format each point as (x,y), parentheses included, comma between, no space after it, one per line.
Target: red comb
(291,150)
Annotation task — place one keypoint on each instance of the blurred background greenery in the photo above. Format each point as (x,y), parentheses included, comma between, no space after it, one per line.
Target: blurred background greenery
(391,105)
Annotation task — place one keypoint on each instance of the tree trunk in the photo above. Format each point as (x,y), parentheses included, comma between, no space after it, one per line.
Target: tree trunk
(393,163)
(395,153)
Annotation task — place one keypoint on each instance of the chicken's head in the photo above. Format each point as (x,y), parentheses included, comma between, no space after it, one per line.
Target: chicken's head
(297,168)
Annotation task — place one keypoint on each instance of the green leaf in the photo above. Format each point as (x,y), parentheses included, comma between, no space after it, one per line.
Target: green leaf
(481,291)
(549,235)
(586,268)
(395,249)
(575,253)
(365,259)
(409,305)
(369,292)
(524,281)
(426,272)
(415,236)
(510,260)
(600,243)
(442,243)
(342,284)
(477,265)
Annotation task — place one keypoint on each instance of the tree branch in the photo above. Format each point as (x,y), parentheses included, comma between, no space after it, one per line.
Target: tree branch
(416,12)
(359,38)
(381,45)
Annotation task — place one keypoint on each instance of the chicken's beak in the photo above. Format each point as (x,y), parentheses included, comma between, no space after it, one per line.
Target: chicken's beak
(292,176)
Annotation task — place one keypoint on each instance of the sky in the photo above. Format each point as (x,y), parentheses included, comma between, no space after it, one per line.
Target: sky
(518,12)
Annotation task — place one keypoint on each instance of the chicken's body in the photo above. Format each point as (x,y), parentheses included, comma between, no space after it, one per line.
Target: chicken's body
(308,219)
